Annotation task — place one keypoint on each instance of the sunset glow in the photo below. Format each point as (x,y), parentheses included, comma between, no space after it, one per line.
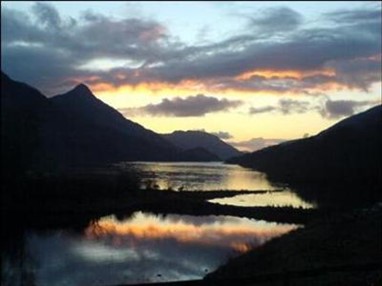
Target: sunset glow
(197,141)
(277,62)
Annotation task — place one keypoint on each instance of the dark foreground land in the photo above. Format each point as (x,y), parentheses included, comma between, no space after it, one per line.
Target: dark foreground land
(344,243)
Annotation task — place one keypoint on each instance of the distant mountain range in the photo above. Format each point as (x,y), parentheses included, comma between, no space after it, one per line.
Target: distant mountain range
(349,151)
(193,139)
(77,129)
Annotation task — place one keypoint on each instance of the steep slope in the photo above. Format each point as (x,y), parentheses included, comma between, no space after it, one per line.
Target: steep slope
(81,104)
(194,139)
(349,151)
(74,129)
(25,113)
(106,132)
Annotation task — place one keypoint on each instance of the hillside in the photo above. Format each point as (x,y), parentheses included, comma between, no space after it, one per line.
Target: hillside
(194,139)
(350,239)
(106,132)
(347,152)
(74,129)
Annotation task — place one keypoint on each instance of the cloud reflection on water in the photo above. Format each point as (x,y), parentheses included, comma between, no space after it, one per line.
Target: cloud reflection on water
(218,233)
(146,248)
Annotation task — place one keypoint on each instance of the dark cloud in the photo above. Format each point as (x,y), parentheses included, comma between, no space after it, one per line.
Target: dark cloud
(198,105)
(58,46)
(361,72)
(264,109)
(351,16)
(305,50)
(326,107)
(256,143)
(340,108)
(47,15)
(284,106)
(287,106)
(278,19)
(222,134)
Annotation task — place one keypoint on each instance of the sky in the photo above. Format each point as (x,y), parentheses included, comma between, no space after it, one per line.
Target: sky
(252,73)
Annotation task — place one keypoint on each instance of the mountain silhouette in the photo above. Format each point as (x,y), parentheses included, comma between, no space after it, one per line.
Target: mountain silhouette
(195,139)
(81,104)
(198,154)
(24,114)
(349,151)
(74,129)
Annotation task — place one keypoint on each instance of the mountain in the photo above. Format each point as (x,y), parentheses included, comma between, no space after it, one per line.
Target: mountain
(198,154)
(194,139)
(349,151)
(26,115)
(106,132)
(74,129)
(131,141)
(81,104)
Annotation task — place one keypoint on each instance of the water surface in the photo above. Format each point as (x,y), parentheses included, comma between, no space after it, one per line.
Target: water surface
(143,248)
(188,176)
(191,176)
(284,198)
(153,248)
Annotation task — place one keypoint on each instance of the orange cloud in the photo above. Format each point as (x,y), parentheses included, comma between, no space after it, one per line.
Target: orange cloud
(184,87)
(102,86)
(284,74)
(240,84)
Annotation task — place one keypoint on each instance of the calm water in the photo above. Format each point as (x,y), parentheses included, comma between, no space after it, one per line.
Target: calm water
(149,248)
(285,198)
(199,176)
(217,176)
(142,248)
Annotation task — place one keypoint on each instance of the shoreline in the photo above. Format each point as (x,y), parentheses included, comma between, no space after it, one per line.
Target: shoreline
(344,242)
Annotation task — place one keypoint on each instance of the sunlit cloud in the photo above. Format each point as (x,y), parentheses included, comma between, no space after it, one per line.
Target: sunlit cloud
(269,74)
(290,59)
(278,61)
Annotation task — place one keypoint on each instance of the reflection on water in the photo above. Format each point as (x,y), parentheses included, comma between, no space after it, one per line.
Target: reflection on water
(150,248)
(199,176)
(144,248)
(276,199)
(217,176)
